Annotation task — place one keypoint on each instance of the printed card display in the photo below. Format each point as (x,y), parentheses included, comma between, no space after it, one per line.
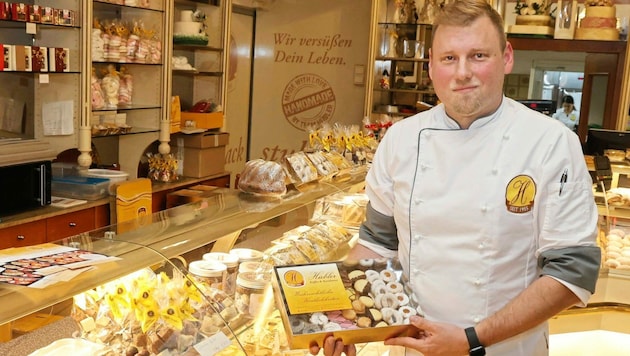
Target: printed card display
(19,11)
(59,59)
(39,59)
(23,58)
(35,13)
(313,288)
(5,10)
(8,57)
(45,264)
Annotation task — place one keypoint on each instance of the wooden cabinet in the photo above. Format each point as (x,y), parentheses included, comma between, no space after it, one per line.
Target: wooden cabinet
(31,233)
(53,225)
(70,224)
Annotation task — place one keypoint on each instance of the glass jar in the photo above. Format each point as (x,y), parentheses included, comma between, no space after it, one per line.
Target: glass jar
(255,266)
(231,263)
(208,274)
(250,292)
(247,254)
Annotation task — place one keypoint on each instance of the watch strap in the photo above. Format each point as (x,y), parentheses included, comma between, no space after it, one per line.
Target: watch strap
(476,348)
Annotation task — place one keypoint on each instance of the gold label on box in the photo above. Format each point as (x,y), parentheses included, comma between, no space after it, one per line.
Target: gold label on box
(313,288)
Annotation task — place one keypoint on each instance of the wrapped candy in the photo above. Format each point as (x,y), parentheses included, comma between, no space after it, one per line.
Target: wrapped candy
(162,168)
(126,87)
(98,98)
(98,43)
(110,84)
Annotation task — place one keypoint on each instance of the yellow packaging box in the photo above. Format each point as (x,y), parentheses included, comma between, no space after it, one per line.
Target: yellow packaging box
(211,120)
(321,299)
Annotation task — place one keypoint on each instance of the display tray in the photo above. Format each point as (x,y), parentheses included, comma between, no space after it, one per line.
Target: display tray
(345,300)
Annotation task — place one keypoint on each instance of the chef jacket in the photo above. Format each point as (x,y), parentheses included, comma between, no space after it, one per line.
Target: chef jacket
(475,209)
(570,120)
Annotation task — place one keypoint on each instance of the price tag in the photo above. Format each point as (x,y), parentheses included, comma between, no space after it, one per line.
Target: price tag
(31,28)
(213,344)
(44,79)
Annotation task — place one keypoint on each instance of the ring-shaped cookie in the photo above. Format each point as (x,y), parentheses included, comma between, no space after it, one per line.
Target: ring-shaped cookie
(402,298)
(394,287)
(311,328)
(378,287)
(387,275)
(407,311)
(330,326)
(297,325)
(392,316)
(366,263)
(387,300)
(318,318)
(372,275)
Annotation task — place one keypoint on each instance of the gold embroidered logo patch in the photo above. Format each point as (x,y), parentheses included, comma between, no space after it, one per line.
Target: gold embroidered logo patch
(519,194)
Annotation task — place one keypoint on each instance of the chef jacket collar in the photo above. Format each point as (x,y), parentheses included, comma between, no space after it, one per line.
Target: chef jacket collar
(479,122)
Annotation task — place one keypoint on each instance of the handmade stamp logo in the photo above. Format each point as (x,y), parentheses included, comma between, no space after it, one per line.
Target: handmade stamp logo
(308,101)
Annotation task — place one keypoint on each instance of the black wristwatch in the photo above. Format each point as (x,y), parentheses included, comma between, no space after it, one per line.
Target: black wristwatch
(476,348)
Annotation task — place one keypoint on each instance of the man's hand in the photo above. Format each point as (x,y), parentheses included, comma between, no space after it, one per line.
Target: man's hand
(333,347)
(433,338)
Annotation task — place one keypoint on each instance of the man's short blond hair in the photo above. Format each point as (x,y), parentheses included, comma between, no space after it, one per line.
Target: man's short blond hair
(462,13)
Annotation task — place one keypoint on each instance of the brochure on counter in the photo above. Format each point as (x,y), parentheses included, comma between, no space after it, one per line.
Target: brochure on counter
(42,265)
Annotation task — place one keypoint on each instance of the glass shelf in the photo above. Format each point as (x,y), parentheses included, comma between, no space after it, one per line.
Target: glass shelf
(197,73)
(129,107)
(197,2)
(127,63)
(133,131)
(182,47)
(154,239)
(22,24)
(105,4)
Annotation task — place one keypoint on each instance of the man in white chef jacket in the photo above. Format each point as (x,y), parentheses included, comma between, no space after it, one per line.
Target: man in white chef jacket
(487,204)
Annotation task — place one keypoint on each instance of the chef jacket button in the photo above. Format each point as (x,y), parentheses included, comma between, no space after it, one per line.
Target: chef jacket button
(495,171)
(484,209)
(506,137)
(416,271)
(481,246)
(476,319)
(417,201)
(417,237)
(477,282)
(423,166)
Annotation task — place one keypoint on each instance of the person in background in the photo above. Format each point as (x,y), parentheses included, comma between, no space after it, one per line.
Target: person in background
(568,115)
(486,203)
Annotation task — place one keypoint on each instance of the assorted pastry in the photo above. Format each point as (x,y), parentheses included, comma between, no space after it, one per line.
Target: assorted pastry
(270,178)
(616,249)
(378,295)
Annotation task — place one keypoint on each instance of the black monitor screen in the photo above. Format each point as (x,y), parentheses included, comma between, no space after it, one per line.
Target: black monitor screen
(547,107)
(599,140)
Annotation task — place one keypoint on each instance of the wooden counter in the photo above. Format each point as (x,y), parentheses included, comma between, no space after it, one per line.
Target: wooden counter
(50,223)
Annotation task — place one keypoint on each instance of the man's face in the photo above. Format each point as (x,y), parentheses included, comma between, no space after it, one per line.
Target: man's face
(467,68)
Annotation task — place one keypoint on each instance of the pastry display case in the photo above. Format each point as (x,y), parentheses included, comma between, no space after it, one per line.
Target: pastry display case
(154,252)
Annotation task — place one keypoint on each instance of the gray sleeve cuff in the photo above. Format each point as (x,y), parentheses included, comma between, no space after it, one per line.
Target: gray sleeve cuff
(379,229)
(576,265)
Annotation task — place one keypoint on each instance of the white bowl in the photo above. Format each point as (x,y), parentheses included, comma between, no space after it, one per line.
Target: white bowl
(115,177)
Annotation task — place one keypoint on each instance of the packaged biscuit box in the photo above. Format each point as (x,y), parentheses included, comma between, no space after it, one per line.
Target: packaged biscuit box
(356,301)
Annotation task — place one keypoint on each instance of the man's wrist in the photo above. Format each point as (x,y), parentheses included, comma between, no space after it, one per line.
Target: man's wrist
(475,346)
